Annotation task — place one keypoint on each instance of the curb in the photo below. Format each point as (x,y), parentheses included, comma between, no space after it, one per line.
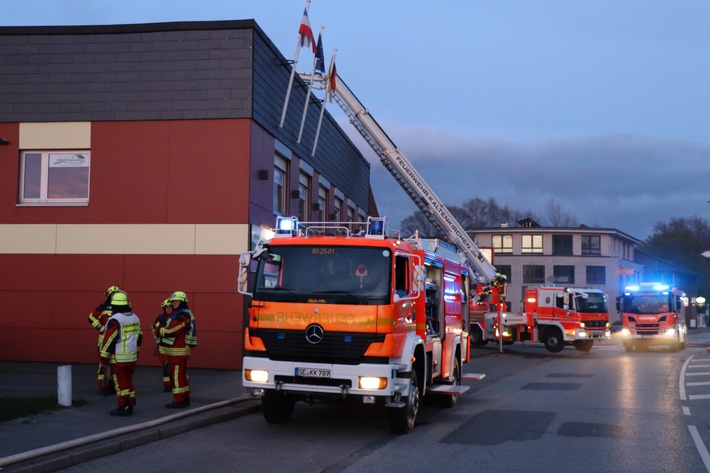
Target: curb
(64,455)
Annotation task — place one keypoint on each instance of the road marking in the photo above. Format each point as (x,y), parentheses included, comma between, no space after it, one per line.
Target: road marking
(703,383)
(686,410)
(700,366)
(694,397)
(704,373)
(681,379)
(702,450)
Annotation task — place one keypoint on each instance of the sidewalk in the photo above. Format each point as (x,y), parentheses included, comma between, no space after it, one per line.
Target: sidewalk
(86,432)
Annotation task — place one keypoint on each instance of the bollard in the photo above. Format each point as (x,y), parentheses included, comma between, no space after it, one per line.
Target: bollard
(64,385)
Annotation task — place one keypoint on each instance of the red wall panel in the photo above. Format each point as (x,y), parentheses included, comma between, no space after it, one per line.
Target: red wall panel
(9,172)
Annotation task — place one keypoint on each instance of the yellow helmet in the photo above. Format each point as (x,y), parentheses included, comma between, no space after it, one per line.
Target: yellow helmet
(119,299)
(178,296)
(111,290)
(165,303)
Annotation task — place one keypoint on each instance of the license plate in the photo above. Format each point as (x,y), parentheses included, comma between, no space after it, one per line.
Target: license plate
(313,372)
(597,334)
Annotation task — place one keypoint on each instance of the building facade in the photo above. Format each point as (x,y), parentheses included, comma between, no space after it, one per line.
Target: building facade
(149,157)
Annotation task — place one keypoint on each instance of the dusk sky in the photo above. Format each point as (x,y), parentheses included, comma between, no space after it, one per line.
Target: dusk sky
(602,106)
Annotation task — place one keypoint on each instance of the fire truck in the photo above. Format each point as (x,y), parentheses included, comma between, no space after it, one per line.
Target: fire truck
(554,316)
(344,312)
(651,315)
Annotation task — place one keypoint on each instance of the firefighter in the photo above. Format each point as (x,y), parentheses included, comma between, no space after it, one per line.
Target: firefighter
(120,347)
(178,335)
(98,319)
(159,322)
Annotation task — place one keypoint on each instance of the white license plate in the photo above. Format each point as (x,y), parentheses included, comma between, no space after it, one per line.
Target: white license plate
(313,372)
(597,334)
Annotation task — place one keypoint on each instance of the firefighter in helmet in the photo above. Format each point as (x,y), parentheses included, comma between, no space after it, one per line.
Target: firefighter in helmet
(120,347)
(160,321)
(98,318)
(179,336)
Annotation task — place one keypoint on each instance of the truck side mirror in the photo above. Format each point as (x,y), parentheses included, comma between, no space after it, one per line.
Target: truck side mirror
(243,279)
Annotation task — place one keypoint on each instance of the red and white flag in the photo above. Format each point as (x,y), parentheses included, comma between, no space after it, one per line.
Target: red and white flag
(307,38)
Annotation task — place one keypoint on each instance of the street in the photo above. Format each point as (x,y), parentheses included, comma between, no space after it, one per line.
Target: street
(535,411)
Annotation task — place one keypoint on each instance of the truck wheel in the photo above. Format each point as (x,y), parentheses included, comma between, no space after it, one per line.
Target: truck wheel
(477,337)
(584,345)
(554,341)
(276,407)
(402,419)
(449,400)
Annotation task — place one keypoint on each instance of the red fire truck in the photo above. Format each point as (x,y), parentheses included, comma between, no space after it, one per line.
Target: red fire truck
(554,316)
(335,315)
(651,315)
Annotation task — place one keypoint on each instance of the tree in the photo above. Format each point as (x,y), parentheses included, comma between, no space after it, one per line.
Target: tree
(682,240)
(556,217)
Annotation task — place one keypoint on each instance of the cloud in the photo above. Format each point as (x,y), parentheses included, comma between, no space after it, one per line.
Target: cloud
(624,181)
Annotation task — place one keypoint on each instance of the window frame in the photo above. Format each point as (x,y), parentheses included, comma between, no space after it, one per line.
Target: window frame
(533,246)
(594,280)
(45,156)
(588,248)
(562,245)
(502,243)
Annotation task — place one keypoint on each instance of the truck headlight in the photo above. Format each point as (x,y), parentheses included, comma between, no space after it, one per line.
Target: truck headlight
(670,332)
(256,376)
(625,332)
(371,382)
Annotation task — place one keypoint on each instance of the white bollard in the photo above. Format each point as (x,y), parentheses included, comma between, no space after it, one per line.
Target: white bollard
(64,385)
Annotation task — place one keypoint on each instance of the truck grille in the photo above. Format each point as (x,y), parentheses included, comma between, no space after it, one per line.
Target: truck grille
(336,347)
(594,323)
(647,329)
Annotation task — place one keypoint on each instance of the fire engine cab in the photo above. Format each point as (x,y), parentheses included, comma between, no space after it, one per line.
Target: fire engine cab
(339,312)
(651,315)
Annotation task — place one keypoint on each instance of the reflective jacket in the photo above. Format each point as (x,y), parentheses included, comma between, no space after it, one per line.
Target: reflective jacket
(122,339)
(178,334)
(98,318)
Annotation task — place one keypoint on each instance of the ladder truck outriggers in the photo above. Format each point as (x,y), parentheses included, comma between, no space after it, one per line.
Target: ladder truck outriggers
(337,311)
(651,314)
(554,316)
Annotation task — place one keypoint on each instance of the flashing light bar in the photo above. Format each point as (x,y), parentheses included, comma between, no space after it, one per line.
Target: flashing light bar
(286,226)
(376,227)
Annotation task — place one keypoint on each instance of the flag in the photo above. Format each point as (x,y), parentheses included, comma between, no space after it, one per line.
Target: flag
(332,74)
(320,59)
(306,32)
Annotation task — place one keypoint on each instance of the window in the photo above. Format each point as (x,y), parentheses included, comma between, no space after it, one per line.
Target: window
(280,179)
(533,274)
(303,196)
(561,244)
(54,177)
(563,274)
(322,203)
(596,275)
(338,204)
(591,245)
(531,244)
(502,244)
(505,269)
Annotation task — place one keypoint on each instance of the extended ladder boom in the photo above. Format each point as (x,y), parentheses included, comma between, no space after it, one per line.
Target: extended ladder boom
(410,180)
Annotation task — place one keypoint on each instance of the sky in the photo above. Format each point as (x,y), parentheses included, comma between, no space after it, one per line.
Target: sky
(602,107)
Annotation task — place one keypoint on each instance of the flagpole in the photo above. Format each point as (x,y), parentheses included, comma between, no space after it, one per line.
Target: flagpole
(308,93)
(293,73)
(325,96)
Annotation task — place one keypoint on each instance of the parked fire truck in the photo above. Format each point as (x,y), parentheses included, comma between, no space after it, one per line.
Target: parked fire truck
(374,317)
(651,315)
(554,316)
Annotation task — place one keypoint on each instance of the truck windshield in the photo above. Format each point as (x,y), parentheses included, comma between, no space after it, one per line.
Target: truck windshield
(594,303)
(332,274)
(646,304)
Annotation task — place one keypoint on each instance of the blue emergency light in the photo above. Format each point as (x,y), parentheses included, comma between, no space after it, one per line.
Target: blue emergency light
(286,226)
(376,227)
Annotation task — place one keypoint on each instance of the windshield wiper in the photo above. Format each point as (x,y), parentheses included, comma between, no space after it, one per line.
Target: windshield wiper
(347,293)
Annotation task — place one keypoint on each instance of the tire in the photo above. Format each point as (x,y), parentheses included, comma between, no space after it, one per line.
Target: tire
(449,400)
(584,345)
(402,419)
(276,407)
(476,335)
(554,342)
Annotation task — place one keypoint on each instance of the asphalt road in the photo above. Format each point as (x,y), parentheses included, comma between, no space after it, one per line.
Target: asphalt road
(534,412)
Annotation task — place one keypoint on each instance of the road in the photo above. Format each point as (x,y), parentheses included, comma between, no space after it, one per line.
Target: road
(534,412)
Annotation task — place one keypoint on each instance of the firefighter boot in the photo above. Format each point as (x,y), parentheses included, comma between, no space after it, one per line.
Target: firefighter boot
(125,410)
